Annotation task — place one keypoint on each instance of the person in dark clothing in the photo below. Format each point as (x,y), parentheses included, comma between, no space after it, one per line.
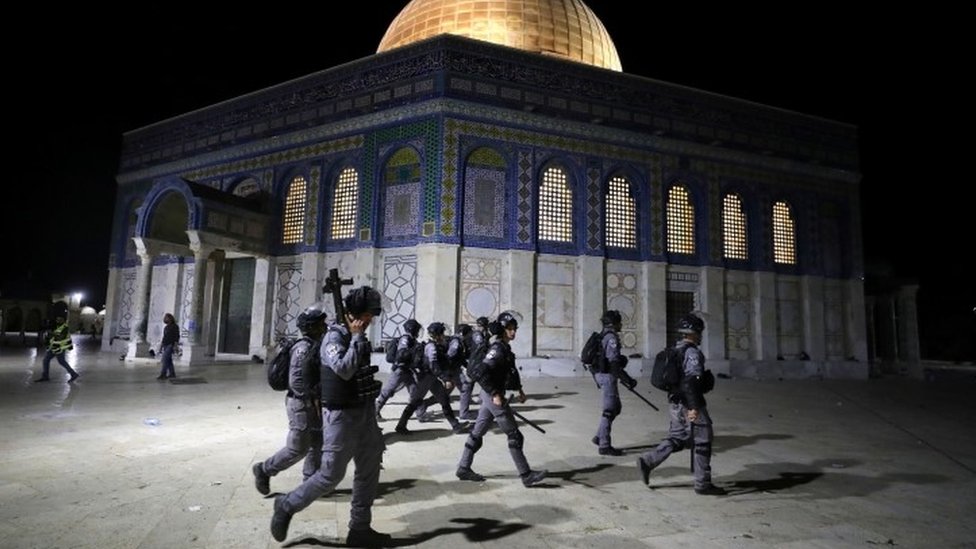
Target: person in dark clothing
(435,375)
(690,423)
(350,430)
(301,403)
(607,371)
(171,336)
(58,345)
(402,371)
(496,372)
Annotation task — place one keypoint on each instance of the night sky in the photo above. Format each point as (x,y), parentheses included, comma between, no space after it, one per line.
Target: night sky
(70,107)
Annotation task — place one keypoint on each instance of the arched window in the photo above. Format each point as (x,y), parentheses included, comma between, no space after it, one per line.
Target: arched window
(621,218)
(484,194)
(293,218)
(555,206)
(681,221)
(344,204)
(734,239)
(784,234)
(404,193)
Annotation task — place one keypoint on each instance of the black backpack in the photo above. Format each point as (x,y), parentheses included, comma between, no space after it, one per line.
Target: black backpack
(592,350)
(668,369)
(391,350)
(279,364)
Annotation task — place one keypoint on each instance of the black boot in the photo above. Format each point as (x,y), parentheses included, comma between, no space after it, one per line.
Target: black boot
(533,477)
(280,520)
(261,479)
(368,537)
(401,426)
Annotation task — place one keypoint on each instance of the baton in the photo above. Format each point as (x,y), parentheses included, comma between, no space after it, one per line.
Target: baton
(523,418)
(640,396)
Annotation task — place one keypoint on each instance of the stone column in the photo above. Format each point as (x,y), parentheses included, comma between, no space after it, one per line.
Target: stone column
(712,292)
(656,311)
(591,298)
(111,294)
(138,347)
(261,309)
(520,281)
(814,321)
(909,351)
(764,306)
(855,323)
(437,282)
(194,347)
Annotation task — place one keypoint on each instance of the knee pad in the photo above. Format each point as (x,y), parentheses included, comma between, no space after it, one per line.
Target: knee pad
(611,413)
(703,450)
(515,440)
(473,443)
(676,444)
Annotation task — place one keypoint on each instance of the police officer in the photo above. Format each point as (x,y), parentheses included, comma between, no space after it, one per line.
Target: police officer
(59,344)
(302,404)
(401,372)
(457,356)
(350,428)
(435,376)
(608,370)
(690,422)
(494,373)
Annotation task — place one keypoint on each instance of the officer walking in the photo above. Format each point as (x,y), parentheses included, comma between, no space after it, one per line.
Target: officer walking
(607,371)
(435,376)
(59,344)
(690,422)
(302,404)
(457,356)
(401,371)
(350,429)
(496,372)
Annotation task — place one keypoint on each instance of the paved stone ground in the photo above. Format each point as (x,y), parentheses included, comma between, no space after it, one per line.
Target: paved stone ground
(889,462)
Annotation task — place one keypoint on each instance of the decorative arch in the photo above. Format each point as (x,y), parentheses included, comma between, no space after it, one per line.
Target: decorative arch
(346,186)
(293,209)
(485,175)
(556,208)
(621,218)
(735,227)
(680,219)
(784,233)
(169,206)
(402,185)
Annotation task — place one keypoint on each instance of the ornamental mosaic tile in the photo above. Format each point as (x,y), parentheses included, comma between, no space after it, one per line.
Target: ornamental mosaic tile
(400,293)
(287,299)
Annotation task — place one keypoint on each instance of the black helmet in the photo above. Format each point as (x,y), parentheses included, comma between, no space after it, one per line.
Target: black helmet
(312,315)
(494,328)
(691,324)
(436,329)
(412,327)
(507,320)
(611,318)
(483,321)
(463,330)
(363,300)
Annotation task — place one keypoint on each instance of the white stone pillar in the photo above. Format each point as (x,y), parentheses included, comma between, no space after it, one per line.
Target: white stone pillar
(712,294)
(437,282)
(519,281)
(111,294)
(366,271)
(212,292)
(812,303)
(764,305)
(591,298)
(656,311)
(261,309)
(138,347)
(313,276)
(909,351)
(194,348)
(855,322)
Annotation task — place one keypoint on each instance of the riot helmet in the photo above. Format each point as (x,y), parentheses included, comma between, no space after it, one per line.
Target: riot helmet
(509,319)
(312,315)
(435,329)
(483,322)
(691,324)
(412,327)
(363,300)
(463,330)
(611,318)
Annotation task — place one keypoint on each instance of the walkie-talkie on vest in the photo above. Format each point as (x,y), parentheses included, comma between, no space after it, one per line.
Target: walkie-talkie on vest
(368,387)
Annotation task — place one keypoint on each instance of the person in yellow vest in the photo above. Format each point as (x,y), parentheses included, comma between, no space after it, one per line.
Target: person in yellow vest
(57,346)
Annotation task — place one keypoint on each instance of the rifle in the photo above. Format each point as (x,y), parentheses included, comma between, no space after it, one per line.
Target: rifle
(523,418)
(333,285)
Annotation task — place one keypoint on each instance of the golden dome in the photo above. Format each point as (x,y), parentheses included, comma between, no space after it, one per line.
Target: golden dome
(563,28)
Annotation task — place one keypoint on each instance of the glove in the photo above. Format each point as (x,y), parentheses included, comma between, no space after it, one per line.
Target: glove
(628,381)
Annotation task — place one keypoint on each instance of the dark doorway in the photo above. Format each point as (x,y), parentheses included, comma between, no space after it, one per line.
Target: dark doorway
(679,304)
(235,306)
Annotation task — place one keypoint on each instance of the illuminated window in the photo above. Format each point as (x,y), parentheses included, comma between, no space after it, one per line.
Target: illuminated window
(681,221)
(784,238)
(344,204)
(734,228)
(293,220)
(621,215)
(555,207)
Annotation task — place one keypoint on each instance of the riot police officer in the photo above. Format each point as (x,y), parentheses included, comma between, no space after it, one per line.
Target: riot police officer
(301,403)
(496,372)
(690,422)
(350,429)
(607,371)
(401,371)
(457,357)
(435,376)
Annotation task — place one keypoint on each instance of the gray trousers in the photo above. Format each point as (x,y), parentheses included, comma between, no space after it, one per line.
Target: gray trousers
(304,439)
(488,414)
(679,437)
(429,382)
(610,407)
(400,377)
(350,435)
(464,385)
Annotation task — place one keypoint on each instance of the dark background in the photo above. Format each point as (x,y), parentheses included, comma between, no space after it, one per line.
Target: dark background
(104,74)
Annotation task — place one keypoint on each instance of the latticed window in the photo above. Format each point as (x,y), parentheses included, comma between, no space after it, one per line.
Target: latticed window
(344,204)
(681,221)
(293,220)
(784,234)
(734,228)
(555,207)
(621,214)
